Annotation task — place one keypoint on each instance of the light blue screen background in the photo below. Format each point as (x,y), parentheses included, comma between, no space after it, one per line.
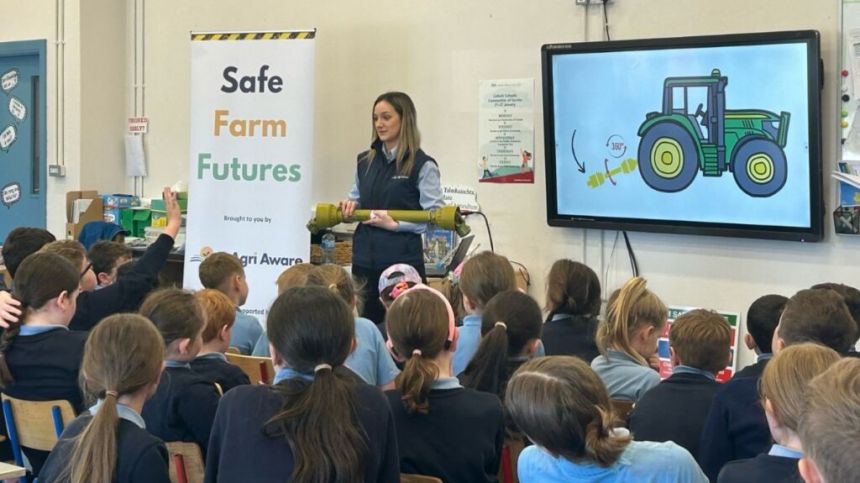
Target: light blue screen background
(601,94)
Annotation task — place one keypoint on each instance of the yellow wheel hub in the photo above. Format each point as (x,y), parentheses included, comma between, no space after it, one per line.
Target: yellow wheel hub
(667,158)
(760,168)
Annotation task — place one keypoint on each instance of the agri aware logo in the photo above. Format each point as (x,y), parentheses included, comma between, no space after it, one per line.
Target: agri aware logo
(255,259)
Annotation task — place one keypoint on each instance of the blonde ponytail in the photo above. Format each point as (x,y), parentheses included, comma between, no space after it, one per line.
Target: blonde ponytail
(629,308)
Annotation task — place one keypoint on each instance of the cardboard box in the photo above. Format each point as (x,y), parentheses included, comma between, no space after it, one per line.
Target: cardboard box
(94,212)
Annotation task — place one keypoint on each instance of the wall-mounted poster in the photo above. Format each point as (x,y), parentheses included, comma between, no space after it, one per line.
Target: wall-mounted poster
(506,131)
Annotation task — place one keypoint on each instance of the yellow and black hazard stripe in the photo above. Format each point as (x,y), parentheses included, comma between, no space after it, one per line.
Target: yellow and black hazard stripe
(298,35)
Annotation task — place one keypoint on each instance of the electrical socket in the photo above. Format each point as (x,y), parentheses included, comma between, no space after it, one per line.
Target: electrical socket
(591,2)
(57,170)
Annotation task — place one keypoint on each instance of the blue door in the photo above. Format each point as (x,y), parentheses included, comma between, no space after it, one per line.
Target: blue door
(22,135)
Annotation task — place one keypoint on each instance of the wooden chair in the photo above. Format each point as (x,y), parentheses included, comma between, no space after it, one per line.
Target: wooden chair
(186,462)
(510,454)
(35,424)
(232,350)
(258,369)
(409,478)
(622,409)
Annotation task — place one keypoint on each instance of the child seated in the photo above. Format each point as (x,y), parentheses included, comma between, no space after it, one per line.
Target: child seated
(106,258)
(830,425)
(184,405)
(211,363)
(395,280)
(627,339)
(314,423)
(294,276)
(762,319)
(675,410)
(483,276)
(370,359)
(443,429)
(562,406)
(784,386)
(123,360)
(573,303)
(224,272)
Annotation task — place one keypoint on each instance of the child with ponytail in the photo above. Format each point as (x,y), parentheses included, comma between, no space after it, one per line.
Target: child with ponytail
(562,406)
(370,360)
(635,318)
(123,360)
(39,356)
(443,429)
(314,423)
(573,304)
(184,405)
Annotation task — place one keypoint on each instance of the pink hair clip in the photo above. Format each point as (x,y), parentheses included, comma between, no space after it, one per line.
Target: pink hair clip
(398,289)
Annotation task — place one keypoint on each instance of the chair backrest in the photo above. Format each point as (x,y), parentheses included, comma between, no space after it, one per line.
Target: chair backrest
(36,424)
(186,462)
(233,350)
(258,369)
(409,478)
(510,454)
(622,409)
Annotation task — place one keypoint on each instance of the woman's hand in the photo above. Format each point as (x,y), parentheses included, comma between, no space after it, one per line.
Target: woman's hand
(347,207)
(381,219)
(10,309)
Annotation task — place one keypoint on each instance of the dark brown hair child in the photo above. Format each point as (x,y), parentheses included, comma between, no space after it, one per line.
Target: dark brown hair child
(563,407)
(443,429)
(314,423)
(211,363)
(106,257)
(573,304)
(123,360)
(762,319)
(184,405)
(700,346)
(40,357)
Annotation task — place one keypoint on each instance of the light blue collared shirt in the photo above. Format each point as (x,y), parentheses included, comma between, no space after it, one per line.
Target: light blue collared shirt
(175,364)
(785,452)
(370,359)
(123,411)
(763,356)
(288,373)
(467,343)
(429,189)
(213,355)
(245,333)
(40,329)
(625,378)
(682,369)
(444,383)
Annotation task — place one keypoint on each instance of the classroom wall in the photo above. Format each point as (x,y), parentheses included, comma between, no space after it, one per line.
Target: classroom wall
(438,51)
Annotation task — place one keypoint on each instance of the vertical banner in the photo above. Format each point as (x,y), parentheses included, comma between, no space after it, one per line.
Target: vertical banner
(252,118)
(733,320)
(506,135)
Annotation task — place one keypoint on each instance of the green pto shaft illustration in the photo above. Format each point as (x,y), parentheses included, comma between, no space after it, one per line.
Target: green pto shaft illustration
(597,179)
(448,217)
(680,140)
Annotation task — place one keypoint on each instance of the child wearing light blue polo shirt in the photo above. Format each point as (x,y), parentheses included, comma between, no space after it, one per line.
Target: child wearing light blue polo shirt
(224,272)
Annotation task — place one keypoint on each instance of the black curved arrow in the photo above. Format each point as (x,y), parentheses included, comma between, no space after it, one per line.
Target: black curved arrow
(581,166)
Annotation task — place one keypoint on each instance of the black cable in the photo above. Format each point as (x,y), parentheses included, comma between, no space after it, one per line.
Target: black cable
(605,21)
(634,265)
(487,223)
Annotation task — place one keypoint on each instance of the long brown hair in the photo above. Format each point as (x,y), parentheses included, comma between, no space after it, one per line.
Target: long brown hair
(40,278)
(409,140)
(508,323)
(418,327)
(123,354)
(312,330)
(572,288)
(563,406)
(484,275)
(629,308)
(176,313)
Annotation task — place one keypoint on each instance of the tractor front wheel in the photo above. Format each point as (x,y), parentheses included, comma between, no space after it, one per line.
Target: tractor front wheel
(668,158)
(759,167)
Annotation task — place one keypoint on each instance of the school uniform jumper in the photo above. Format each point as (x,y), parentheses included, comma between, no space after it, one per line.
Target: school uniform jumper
(459,439)
(215,369)
(243,449)
(570,335)
(624,377)
(675,410)
(126,294)
(140,456)
(779,465)
(754,370)
(183,406)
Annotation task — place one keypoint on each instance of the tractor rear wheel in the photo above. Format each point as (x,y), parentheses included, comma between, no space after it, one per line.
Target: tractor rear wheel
(759,167)
(668,159)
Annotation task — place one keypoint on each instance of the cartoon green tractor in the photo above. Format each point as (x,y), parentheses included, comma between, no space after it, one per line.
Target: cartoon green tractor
(678,141)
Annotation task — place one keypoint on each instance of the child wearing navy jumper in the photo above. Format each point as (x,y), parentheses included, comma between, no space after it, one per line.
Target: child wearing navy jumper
(40,357)
(211,363)
(573,303)
(184,405)
(443,429)
(123,360)
(314,423)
